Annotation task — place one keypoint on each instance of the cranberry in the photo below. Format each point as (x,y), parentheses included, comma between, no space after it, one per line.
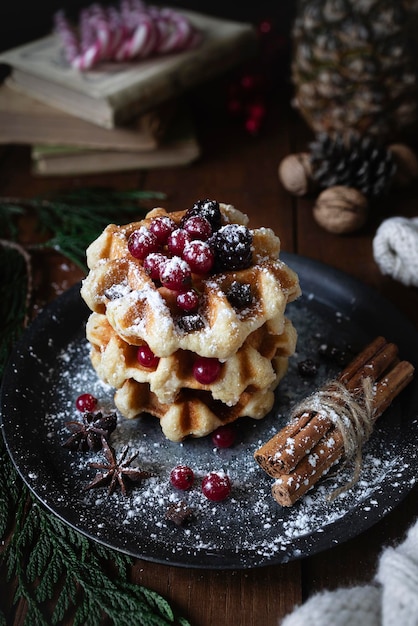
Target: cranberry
(153,264)
(199,256)
(182,477)
(206,370)
(224,436)
(187,300)
(177,241)
(175,274)
(198,227)
(162,227)
(146,357)
(216,486)
(86,403)
(142,242)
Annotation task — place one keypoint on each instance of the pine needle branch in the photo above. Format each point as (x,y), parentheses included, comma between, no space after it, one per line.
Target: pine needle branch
(70,221)
(51,564)
(15,293)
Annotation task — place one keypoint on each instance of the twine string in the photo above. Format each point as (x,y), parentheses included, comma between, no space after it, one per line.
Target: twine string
(352,414)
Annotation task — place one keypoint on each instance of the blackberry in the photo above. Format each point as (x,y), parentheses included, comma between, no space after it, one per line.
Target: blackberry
(232,247)
(308,368)
(209,209)
(189,323)
(239,295)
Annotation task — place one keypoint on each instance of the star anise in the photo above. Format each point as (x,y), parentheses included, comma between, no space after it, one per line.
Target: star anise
(88,434)
(116,472)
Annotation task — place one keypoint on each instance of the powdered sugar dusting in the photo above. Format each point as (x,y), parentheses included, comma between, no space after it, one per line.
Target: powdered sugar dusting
(249,528)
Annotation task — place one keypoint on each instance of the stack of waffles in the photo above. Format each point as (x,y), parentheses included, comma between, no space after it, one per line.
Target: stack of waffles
(188,317)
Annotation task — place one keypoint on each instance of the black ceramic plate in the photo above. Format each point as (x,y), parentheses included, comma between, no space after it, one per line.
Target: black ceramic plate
(50,368)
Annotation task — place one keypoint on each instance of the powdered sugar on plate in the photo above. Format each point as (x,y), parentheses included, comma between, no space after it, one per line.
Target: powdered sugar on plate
(52,368)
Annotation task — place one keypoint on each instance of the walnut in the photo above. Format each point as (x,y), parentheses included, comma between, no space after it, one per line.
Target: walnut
(341,209)
(406,164)
(295,173)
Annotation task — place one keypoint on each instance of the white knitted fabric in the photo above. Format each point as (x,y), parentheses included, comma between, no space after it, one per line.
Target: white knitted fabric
(395,249)
(390,600)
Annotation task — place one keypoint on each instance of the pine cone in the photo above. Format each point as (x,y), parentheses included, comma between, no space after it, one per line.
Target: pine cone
(357,161)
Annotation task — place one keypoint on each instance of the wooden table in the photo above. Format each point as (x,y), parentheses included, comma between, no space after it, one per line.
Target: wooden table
(242,170)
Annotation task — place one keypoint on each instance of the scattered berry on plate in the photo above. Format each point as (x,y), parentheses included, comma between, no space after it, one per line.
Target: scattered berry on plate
(216,486)
(182,477)
(224,436)
(86,403)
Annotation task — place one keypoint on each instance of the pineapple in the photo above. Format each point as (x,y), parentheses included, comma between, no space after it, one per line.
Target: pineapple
(354,68)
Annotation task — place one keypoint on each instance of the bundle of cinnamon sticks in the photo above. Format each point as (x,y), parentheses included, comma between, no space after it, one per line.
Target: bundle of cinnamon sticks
(305,449)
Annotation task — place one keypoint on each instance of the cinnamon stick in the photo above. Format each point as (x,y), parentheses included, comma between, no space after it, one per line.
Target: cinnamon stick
(291,486)
(303,451)
(284,451)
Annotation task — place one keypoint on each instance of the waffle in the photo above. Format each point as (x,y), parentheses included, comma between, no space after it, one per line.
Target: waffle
(141,311)
(241,312)
(194,413)
(256,364)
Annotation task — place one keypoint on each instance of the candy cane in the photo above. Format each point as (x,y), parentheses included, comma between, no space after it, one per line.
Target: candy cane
(134,31)
(68,36)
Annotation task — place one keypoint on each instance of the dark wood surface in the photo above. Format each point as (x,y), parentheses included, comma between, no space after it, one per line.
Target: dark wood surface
(242,170)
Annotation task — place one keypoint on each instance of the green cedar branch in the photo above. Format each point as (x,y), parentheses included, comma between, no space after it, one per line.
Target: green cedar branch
(50,563)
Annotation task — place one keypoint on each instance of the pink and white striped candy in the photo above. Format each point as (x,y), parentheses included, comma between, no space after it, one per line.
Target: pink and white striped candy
(132,31)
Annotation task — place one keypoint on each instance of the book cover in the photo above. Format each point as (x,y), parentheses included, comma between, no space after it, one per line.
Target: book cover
(24,120)
(112,93)
(179,148)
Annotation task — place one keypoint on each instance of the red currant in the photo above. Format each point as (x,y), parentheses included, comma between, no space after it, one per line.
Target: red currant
(86,403)
(216,486)
(252,125)
(224,436)
(182,477)
(146,357)
(199,256)
(162,227)
(187,300)
(142,242)
(198,227)
(177,241)
(153,264)
(206,370)
(175,274)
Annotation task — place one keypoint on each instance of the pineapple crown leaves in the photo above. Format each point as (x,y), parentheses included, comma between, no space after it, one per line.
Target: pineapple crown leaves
(49,562)
(352,160)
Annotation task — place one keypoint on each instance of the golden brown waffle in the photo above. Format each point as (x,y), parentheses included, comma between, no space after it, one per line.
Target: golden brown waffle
(253,365)
(141,311)
(242,324)
(194,413)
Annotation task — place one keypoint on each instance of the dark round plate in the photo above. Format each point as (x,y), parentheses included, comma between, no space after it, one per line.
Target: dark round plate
(50,367)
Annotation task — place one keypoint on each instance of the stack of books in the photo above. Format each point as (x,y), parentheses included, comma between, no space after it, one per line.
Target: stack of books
(116,116)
